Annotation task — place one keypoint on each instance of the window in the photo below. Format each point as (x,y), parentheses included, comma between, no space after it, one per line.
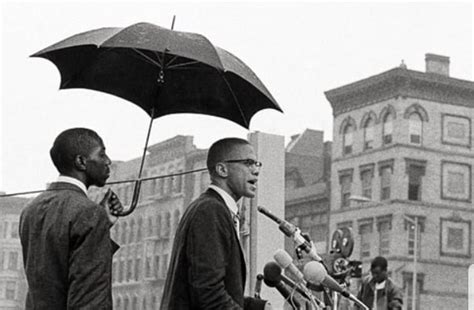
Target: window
(118,304)
(387,129)
(148,272)
(125,303)
(139,229)
(345,191)
(456,181)
(408,289)
(121,270)
(14,230)
(456,130)
(114,271)
(348,139)
(205,180)
(176,219)
(159,226)
(10,290)
(415,170)
(1,259)
(5,230)
(150,226)
(134,302)
(166,231)
(130,269)
(384,225)
(137,268)
(157,266)
(365,231)
(369,134)
(124,233)
(366,178)
(178,180)
(13,261)
(455,237)
(385,182)
(415,125)
(132,231)
(164,270)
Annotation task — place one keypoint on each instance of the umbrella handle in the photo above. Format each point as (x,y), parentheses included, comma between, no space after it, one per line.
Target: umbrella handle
(134,203)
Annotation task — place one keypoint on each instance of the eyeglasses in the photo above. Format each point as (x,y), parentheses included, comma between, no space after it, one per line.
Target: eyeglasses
(248,162)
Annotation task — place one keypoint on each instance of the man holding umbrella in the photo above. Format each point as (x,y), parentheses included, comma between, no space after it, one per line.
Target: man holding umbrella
(67,250)
(207,268)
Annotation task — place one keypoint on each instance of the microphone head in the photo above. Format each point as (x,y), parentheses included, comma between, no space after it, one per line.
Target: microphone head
(283,258)
(314,272)
(272,273)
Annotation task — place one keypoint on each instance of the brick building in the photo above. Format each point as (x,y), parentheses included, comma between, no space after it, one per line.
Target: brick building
(402,140)
(13,286)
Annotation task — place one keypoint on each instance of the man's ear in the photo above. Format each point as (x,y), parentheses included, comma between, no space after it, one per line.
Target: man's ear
(221,170)
(80,162)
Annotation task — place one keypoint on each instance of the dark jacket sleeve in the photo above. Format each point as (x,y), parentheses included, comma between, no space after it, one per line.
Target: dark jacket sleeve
(90,259)
(395,297)
(208,247)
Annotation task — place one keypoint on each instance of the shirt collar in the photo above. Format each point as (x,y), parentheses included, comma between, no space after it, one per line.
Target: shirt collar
(229,201)
(66,179)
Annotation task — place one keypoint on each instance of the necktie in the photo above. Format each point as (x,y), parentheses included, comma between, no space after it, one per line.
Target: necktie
(236,220)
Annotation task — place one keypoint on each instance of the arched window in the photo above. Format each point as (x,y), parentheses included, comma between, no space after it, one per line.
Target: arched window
(369,133)
(348,139)
(415,128)
(387,129)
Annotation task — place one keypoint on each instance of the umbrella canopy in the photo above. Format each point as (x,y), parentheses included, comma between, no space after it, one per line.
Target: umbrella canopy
(162,71)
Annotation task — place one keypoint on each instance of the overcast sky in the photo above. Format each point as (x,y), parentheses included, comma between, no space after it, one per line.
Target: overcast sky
(299,51)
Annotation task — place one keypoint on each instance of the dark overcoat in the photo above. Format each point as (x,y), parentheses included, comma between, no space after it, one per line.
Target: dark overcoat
(67,250)
(207,267)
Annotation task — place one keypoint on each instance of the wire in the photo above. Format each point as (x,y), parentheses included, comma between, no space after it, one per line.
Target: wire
(109,183)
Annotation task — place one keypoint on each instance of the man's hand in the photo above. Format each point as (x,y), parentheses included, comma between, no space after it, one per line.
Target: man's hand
(112,205)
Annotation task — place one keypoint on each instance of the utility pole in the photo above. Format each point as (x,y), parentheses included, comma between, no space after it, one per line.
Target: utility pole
(415,254)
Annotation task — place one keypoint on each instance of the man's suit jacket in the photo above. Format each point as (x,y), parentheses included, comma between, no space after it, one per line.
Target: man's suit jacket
(207,267)
(67,251)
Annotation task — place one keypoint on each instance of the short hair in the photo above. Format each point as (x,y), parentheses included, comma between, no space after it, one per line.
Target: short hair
(220,149)
(70,143)
(379,261)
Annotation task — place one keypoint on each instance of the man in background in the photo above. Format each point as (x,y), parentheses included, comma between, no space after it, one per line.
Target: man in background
(207,268)
(67,250)
(378,292)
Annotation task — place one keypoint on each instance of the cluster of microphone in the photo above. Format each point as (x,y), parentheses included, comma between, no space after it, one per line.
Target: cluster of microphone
(314,276)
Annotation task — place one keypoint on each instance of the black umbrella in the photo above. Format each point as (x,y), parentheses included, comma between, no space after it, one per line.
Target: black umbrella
(162,71)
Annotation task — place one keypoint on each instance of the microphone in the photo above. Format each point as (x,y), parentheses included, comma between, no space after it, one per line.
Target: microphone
(292,231)
(286,262)
(258,286)
(315,272)
(272,272)
(272,278)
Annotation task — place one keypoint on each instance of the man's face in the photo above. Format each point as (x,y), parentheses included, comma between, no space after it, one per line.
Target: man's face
(97,165)
(378,274)
(242,178)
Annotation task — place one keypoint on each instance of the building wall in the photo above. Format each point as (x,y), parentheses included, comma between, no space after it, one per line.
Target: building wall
(13,286)
(442,209)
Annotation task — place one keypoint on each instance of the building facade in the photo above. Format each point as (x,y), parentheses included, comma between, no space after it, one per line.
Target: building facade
(13,285)
(307,187)
(403,155)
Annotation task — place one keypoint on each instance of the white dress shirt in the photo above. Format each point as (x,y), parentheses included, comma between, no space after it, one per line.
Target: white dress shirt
(231,204)
(66,179)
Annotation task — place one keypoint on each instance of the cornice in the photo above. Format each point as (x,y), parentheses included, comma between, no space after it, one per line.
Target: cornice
(401,82)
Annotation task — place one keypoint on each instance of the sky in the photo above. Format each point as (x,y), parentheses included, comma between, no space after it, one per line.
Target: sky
(299,50)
